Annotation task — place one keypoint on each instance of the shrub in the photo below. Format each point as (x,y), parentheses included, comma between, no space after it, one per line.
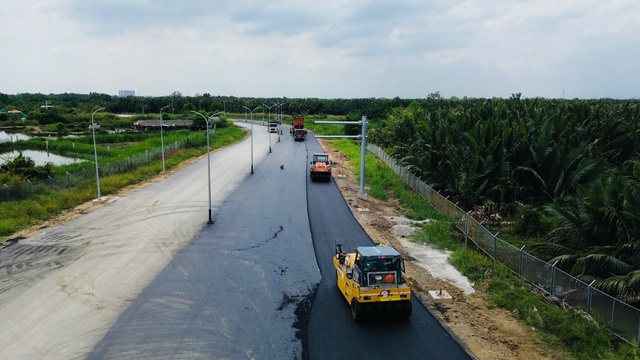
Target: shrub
(531,221)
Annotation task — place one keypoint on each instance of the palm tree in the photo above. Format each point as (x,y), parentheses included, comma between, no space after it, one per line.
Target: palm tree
(596,234)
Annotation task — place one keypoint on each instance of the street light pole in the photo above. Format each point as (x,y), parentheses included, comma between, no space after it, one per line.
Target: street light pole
(210,221)
(269,108)
(268,124)
(162,137)
(280,105)
(95,152)
(251,126)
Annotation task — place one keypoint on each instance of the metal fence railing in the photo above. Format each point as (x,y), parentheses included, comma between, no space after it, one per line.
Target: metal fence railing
(23,190)
(621,318)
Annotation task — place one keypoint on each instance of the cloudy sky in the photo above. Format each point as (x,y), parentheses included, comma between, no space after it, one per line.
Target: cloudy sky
(323,49)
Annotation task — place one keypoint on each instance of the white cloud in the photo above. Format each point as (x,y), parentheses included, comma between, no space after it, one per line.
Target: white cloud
(336,48)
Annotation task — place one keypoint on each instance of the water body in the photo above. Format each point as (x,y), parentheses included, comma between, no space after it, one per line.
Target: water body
(12,137)
(39,157)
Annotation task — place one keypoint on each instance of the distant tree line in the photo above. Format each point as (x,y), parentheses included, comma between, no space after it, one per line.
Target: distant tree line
(66,107)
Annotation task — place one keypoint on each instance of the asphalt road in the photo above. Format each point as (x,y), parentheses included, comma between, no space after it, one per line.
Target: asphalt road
(332,332)
(63,288)
(242,287)
(145,276)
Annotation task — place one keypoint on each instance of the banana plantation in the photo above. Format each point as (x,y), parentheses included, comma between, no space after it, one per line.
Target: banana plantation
(568,169)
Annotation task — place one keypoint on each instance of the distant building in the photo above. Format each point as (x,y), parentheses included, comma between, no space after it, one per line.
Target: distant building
(126,93)
(11,114)
(176,94)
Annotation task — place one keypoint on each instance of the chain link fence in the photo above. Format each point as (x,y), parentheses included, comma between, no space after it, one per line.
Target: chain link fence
(621,318)
(24,190)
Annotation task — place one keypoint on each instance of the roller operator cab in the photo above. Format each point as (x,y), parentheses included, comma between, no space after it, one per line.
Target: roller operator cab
(372,281)
(320,169)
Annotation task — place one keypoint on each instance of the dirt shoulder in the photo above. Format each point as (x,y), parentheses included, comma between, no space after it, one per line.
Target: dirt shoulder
(487,332)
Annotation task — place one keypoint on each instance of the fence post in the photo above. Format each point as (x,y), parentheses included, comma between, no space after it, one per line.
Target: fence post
(455,206)
(495,246)
(589,296)
(552,279)
(521,270)
(466,229)
(480,236)
(466,224)
(30,189)
(68,178)
(6,187)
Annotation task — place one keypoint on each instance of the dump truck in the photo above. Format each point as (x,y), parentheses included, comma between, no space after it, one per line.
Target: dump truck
(297,129)
(320,169)
(371,279)
(298,123)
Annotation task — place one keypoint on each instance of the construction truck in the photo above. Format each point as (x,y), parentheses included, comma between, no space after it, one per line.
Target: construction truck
(297,129)
(372,281)
(320,169)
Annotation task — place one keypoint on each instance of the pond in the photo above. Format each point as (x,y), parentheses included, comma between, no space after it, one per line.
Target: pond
(39,157)
(12,137)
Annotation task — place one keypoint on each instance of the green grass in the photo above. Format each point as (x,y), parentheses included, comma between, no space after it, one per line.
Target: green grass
(382,183)
(324,129)
(569,332)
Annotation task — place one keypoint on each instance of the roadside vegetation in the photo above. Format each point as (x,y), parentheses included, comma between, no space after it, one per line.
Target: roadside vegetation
(568,331)
(559,176)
